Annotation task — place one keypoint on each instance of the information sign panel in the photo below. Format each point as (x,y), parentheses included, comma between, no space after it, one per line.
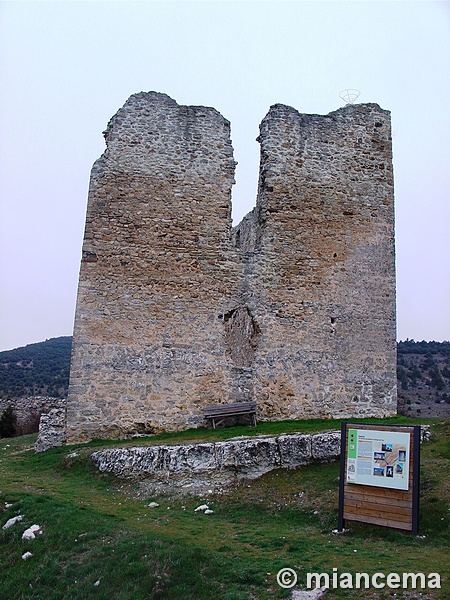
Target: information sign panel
(379,458)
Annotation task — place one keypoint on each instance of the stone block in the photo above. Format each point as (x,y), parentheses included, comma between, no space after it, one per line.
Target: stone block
(326,446)
(295,450)
(52,430)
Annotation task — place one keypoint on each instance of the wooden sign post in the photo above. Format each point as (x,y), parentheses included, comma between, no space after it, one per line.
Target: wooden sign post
(380,470)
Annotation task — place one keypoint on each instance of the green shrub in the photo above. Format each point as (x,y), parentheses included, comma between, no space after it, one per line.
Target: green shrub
(7,423)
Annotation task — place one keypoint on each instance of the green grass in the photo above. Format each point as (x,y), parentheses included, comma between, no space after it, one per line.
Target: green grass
(203,434)
(96,529)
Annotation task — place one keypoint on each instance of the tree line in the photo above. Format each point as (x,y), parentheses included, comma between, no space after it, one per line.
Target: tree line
(42,369)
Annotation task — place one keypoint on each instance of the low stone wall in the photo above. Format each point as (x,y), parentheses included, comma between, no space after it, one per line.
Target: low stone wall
(28,411)
(236,458)
(214,466)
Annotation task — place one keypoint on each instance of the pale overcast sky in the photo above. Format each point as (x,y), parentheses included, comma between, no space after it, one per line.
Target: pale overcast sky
(67,67)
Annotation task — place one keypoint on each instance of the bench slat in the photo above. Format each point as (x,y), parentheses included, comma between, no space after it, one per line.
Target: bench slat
(228,413)
(230,408)
(237,405)
(221,411)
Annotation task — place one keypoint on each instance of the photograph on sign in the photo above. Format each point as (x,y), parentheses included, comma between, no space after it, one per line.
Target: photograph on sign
(379,458)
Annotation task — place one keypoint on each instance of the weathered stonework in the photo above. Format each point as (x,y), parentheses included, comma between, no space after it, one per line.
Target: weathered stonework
(321,276)
(52,430)
(245,457)
(28,411)
(294,307)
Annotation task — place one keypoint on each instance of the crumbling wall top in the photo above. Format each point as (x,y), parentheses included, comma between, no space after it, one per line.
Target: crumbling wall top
(151,126)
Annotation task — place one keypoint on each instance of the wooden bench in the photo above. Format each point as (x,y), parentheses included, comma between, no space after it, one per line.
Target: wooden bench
(219,413)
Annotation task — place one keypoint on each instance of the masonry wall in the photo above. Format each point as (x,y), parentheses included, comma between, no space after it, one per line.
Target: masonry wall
(27,411)
(294,308)
(157,270)
(321,272)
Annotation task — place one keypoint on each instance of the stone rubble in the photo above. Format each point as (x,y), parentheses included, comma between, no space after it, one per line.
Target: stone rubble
(10,522)
(32,532)
(315,594)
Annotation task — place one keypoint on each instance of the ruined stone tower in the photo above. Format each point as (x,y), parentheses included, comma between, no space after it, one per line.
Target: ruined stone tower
(293,308)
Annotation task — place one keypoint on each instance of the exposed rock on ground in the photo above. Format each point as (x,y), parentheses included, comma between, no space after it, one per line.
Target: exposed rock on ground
(308,594)
(10,522)
(32,532)
(190,467)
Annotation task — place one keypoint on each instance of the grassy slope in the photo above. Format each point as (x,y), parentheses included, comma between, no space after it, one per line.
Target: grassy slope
(95,530)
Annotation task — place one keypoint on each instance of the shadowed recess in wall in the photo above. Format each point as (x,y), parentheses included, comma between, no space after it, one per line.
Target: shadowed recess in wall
(241,335)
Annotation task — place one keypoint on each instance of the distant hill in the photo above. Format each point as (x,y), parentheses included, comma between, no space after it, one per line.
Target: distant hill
(40,369)
(423,372)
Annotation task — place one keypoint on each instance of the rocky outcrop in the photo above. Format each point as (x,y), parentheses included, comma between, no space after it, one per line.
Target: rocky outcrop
(239,458)
(204,467)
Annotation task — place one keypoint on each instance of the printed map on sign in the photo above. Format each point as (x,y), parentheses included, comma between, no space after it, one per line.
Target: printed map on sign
(379,458)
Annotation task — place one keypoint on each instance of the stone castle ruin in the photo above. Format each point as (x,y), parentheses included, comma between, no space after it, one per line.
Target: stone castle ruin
(294,308)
